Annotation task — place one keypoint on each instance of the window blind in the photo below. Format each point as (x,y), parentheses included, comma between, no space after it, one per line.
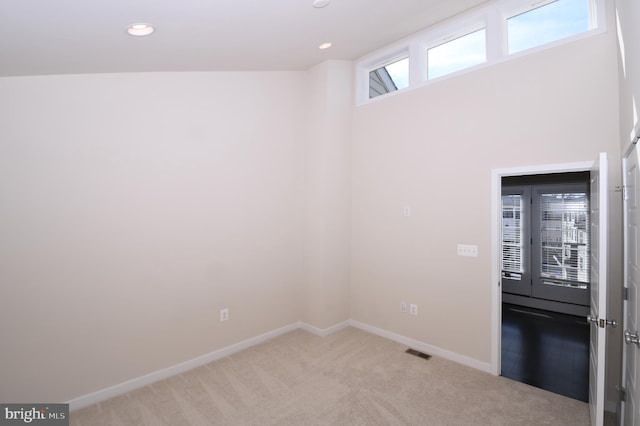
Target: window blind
(512,234)
(564,236)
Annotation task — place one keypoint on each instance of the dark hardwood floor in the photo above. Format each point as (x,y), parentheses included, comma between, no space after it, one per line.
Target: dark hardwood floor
(546,349)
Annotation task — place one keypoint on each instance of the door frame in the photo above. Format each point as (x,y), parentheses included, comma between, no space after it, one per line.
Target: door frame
(632,149)
(496,197)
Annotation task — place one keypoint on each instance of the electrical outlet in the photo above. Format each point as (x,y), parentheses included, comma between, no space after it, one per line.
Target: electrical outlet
(413,309)
(403,306)
(224,314)
(467,250)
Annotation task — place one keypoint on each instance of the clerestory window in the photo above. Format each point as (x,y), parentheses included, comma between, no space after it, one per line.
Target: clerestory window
(389,78)
(457,54)
(486,35)
(546,23)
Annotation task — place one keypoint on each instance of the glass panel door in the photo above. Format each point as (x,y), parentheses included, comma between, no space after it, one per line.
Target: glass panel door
(562,248)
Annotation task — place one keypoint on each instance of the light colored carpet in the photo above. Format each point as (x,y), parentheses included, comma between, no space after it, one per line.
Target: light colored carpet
(349,378)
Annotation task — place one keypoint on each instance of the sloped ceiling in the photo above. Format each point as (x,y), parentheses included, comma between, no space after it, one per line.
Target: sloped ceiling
(89,36)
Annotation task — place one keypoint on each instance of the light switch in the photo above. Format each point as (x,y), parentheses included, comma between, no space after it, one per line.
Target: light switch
(467,250)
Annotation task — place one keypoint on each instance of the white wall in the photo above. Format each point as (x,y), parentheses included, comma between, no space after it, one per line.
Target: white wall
(133,208)
(325,293)
(433,149)
(628,12)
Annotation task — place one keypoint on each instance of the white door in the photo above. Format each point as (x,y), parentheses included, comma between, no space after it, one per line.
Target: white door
(598,315)
(630,352)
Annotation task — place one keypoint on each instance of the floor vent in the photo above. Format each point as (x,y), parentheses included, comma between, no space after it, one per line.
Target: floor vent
(418,353)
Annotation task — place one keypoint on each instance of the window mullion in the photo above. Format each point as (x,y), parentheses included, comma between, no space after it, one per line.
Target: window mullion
(496,35)
(417,64)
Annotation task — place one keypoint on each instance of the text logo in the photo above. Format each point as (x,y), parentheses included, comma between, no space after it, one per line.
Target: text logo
(36,414)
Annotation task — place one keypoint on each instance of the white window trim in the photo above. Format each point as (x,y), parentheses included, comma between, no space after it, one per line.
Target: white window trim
(381,59)
(443,33)
(492,16)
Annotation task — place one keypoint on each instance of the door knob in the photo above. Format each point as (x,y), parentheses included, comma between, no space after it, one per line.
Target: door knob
(592,320)
(631,338)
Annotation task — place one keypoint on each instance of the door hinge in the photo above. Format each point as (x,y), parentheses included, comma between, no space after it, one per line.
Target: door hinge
(625,293)
(625,195)
(605,322)
(623,393)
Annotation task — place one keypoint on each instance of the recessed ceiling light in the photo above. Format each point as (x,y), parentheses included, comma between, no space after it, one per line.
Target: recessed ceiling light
(140,30)
(324,45)
(321,3)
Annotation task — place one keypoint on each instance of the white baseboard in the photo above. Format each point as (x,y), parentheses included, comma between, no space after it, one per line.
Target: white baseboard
(324,332)
(424,347)
(128,386)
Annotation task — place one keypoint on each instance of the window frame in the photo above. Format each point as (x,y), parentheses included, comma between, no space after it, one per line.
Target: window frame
(387,58)
(492,16)
(389,61)
(470,28)
(513,8)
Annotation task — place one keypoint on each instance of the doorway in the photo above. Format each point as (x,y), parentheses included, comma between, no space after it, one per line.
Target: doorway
(496,215)
(545,281)
(599,229)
